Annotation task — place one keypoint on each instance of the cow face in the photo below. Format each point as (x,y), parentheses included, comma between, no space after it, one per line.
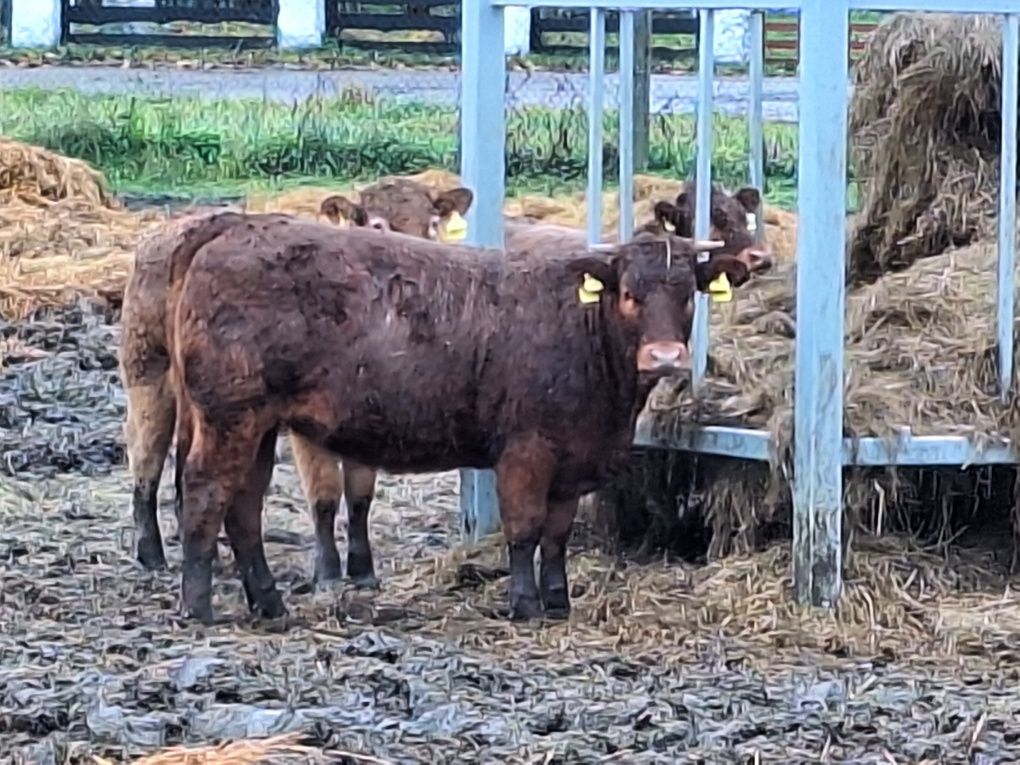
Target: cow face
(405,206)
(653,282)
(734,222)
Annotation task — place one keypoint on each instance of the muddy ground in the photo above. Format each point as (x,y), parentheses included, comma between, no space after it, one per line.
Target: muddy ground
(94,660)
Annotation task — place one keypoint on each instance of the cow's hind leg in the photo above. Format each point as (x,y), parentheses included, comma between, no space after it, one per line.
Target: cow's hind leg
(181,448)
(323,487)
(553,568)
(523,475)
(148,432)
(219,466)
(244,529)
(359,489)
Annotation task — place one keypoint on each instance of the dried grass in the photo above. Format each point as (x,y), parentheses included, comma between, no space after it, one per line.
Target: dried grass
(920,326)
(925,121)
(276,749)
(61,234)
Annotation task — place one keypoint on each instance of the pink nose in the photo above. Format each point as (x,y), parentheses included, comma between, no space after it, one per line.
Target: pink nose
(664,357)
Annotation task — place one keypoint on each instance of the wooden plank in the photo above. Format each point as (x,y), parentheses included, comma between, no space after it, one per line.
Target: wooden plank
(85,14)
(642,88)
(389,22)
(172,41)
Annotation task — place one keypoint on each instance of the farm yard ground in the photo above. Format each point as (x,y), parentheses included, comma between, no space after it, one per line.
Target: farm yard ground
(661,661)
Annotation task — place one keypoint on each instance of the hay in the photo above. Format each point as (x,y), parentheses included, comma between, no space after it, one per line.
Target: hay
(38,176)
(925,120)
(61,234)
(276,749)
(920,354)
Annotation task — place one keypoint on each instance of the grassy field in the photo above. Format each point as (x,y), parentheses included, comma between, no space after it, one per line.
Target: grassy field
(208,148)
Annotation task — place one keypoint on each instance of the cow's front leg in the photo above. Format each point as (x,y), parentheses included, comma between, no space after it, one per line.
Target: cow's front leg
(523,475)
(553,569)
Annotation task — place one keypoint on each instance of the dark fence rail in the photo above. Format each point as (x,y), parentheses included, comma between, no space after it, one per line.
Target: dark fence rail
(188,15)
(422,26)
(564,32)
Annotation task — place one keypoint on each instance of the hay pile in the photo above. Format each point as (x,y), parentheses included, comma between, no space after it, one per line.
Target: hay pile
(61,233)
(925,122)
(920,315)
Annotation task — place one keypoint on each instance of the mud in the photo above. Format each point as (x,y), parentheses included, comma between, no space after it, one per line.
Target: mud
(94,660)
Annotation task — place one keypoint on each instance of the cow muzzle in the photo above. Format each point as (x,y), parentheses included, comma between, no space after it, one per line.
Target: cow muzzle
(663,358)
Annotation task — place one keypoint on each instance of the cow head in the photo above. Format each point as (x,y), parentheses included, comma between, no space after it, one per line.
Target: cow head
(650,284)
(733,222)
(405,206)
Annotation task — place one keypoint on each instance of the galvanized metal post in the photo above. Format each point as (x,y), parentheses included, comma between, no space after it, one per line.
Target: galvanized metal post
(755,120)
(1007,204)
(483,169)
(626,78)
(703,209)
(596,91)
(821,241)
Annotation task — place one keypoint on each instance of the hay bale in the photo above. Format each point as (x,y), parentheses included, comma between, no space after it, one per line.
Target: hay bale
(925,121)
(920,353)
(38,176)
(62,235)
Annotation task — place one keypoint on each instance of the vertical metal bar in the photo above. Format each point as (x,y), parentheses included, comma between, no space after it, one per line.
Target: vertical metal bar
(703,208)
(755,120)
(626,77)
(596,89)
(483,138)
(818,364)
(1007,204)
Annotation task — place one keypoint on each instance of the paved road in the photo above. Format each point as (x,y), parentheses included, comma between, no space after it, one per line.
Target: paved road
(675,93)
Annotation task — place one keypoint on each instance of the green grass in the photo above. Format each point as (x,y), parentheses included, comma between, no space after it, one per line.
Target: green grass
(207,148)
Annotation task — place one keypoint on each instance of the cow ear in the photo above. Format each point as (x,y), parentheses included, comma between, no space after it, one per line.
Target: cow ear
(338,208)
(605,269)
(667,216)
(705,273)
(453,200)
(749,197)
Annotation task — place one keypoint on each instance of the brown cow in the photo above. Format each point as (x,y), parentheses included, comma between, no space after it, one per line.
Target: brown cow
(415,356)
(391,204)
(318,469)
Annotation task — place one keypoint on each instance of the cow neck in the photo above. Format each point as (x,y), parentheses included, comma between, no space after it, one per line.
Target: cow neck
(619,347)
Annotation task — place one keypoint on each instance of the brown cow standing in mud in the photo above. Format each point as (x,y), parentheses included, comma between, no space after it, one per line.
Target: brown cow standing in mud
(391,205)
(415,356)
(144,357)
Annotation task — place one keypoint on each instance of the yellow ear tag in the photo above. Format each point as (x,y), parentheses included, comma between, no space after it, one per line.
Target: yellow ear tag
(720,289)
(668,226)
(752,222)
(455,228)
(589,290)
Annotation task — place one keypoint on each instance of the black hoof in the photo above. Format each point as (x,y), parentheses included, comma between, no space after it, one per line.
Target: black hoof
(525,609)
(557,604)
(270,606)
(328,573)
(366,582)
(150,555)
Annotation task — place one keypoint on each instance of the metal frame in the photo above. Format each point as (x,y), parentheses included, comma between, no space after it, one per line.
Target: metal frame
(820,450)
